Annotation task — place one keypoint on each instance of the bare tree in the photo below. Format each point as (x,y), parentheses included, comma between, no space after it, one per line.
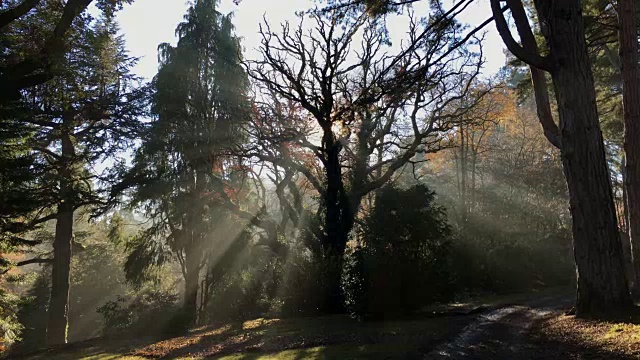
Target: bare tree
(363,114)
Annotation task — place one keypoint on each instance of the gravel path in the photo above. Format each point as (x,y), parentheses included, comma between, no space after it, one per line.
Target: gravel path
(503,333)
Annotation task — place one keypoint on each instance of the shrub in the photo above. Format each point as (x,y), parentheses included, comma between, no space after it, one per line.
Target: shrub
(304,284)
(403,260)
(143,314)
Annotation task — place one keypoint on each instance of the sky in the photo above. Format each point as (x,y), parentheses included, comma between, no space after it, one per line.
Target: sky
(147,23)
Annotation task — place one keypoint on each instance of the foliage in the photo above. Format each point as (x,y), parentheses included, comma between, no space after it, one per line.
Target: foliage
(10,328)
(304,281)
(149,311)
(403,260)
(510,212)
(182,171)
(32,313)
(93,106)
(97,277)
(487,258)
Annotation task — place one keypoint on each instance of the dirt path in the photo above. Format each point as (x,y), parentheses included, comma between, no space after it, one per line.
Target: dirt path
(504,333)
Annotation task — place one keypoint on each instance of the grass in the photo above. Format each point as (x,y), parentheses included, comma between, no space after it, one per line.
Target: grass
(332,336)
(593,338)
(299,338)
(369,351)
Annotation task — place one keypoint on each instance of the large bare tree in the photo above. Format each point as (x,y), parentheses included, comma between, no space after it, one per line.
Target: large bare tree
(362,113)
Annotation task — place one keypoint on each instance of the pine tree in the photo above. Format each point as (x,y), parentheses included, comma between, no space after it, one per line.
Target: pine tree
(68,126)
(199,105)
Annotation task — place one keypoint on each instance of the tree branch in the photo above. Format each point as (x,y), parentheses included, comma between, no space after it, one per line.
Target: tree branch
(516,49)
(540,89)
(7,16)
(29,262)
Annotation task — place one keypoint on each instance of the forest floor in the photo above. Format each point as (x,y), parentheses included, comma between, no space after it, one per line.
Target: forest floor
(522,326)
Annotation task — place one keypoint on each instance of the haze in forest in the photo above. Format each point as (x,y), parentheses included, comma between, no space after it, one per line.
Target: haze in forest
(319,179)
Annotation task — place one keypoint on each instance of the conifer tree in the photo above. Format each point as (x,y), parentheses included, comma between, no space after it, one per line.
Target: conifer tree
(63,131)
(199,105)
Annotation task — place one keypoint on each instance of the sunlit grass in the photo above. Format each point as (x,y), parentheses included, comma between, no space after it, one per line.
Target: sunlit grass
(625,332)
(370,351)
(253,324)
(621,338)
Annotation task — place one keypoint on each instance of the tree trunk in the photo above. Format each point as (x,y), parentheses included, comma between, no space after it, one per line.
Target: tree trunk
(60,274)
(463,176)
(602,285)
(627,248)
(192,278)
(474,163)
(335,242)
(333,209)
(195,230)
(631,103)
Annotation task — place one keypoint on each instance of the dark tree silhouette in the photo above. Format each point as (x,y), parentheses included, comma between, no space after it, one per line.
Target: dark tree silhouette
(365,106)
(602,285)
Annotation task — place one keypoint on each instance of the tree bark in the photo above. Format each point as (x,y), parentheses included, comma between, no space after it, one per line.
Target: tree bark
(341,209)
(627,248)
(192,278)
(463,176)
(631,103)
(602,285)
(336,238)
(193,247)
(60,274)
(333,213)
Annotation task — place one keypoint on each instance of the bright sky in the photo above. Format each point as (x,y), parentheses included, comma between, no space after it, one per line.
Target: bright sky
(146,24)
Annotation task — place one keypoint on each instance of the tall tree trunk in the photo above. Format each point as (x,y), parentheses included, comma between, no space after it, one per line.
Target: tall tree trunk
(631,103)
(60,274)
(341,209)
(627,248)
(333,211)
(474,162)
(602,285)
(205,292)
(463,175)
(192,278)
(195,228)
(336,241)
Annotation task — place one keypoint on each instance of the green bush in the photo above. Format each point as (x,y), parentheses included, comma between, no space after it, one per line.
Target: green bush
(32,314)
(403,260)
(151,310)
(305,283)
(10,328)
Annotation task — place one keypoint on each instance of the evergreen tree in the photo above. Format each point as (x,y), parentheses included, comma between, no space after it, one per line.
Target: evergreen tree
(199,105)
(24,64)
(67,127)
